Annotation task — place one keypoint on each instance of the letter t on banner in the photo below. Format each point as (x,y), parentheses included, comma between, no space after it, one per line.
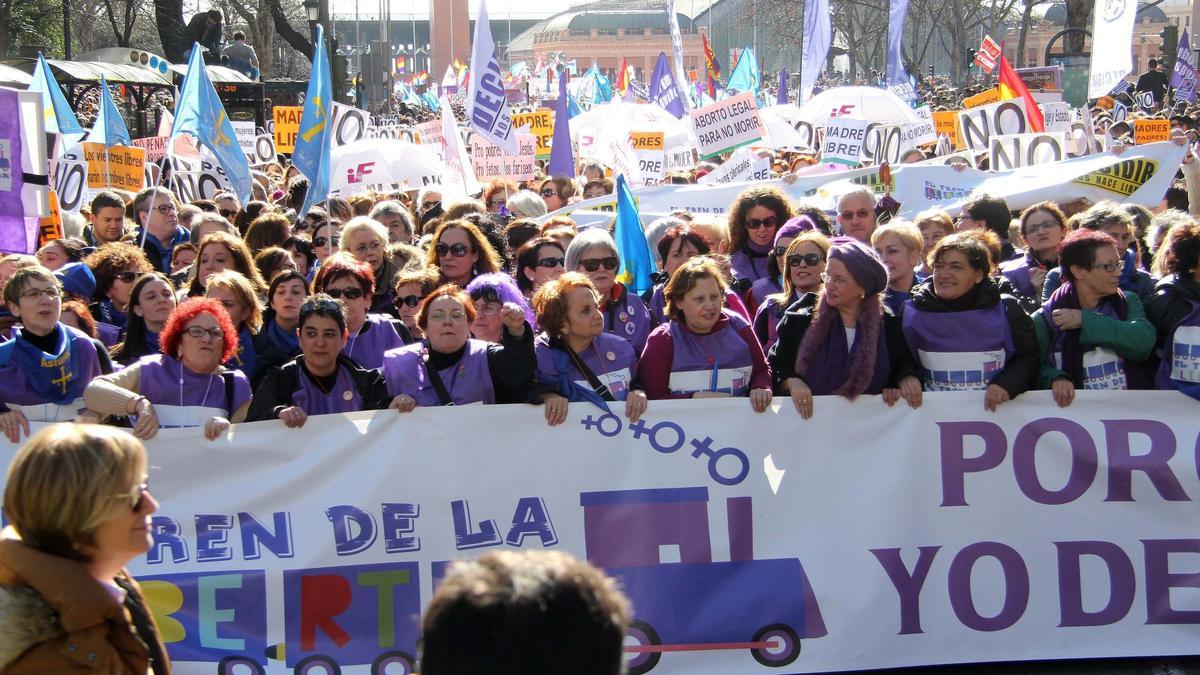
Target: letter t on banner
(818,34)
(487,105)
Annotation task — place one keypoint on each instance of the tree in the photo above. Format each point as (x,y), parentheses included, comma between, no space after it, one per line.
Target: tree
(30,23)
(128,11)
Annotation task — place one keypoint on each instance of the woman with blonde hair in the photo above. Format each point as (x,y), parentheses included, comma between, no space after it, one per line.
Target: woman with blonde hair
(236,294)
(805,262)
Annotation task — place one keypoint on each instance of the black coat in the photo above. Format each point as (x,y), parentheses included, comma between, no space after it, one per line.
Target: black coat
(278,385)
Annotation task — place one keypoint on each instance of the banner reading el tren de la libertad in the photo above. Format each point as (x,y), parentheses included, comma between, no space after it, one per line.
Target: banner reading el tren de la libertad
(867,537)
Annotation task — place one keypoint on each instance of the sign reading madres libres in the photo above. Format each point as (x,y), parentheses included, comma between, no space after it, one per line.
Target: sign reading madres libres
(725,125)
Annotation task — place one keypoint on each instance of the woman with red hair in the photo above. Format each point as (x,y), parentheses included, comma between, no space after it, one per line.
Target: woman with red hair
(185,385)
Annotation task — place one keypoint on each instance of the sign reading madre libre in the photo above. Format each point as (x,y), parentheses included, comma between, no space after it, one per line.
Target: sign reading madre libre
(725,125)
(287,126)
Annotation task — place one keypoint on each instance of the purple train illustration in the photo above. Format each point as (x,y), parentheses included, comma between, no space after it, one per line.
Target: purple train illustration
(696,604)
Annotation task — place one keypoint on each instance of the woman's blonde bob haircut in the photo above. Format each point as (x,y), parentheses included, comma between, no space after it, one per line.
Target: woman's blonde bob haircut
(67,480)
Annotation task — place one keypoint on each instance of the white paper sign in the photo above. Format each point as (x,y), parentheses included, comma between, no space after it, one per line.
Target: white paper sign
(726,125)
(844,139)
(1112,59)
(1020,150)
(743,165)
(1057,116)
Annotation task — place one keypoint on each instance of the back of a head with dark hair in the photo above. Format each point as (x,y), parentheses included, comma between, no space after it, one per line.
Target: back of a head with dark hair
(1177,198)
(524,613)
(494,230)
(1185,250)
(991,210)
(106,199)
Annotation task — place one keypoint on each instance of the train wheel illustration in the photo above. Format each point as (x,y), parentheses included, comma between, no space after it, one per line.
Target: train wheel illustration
(317,665)
(642,635)
(239,665)
(393,663)
(786,651)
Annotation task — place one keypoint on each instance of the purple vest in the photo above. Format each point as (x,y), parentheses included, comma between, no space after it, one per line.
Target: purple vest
(468,381)
(1017,271)
(959,351)
(192,403)
(610,358)
(342,399)
(376,336)
(1102,368)
(658,305)
(718,361)
(109,334)
(745,266)
(629,319)
(1181,354)
(762,288)
(17,392)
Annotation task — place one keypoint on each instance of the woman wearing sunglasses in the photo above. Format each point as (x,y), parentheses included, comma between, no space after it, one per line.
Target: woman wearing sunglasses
(151,302)
(116,266)
(412,287)
(351,281)
(754,217)
(804,261)
(461,252)
(556,191)
(594,253)
(772,283)
(705,350)
(322,379)
(185,385)
(46,365)
(849,343)
(539,260)
(448,367)
(80,509)
(326,241)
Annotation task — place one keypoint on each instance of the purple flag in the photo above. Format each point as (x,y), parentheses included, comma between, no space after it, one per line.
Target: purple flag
(782,97)
(663,91)
(562,160)
(14,234)
(1183,76)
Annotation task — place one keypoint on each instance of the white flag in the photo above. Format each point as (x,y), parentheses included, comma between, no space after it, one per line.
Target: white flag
(1114,26)
(818,34)
(487,105)
(455,151)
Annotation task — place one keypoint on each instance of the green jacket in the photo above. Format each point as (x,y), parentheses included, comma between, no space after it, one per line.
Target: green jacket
(1133,339)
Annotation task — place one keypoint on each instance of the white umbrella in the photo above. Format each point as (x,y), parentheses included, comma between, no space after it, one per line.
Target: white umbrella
(620,116)
(864,103)
(380,161)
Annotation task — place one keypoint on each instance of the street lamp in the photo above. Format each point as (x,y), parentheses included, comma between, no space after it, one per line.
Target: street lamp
(313,9)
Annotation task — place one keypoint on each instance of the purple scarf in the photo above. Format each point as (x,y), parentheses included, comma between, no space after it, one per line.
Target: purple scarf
(862,362)
(1067,297)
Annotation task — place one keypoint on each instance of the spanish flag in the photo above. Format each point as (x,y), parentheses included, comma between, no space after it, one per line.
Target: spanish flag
(712,66)
(1011,86)
(623,76)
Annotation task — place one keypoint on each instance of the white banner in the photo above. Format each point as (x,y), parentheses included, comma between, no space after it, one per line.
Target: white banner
(743,165)
(1114,21)
(1139,175)
(866,537)
(487,105)
(1021,150)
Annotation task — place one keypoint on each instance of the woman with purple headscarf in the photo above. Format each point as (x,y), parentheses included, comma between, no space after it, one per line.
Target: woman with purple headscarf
(490,292)
(849,344)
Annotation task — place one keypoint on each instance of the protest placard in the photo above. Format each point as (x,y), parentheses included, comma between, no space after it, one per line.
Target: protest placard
(264,150)
(1151,131)
(541,125)
(430,133)
(287,126)
(982,98)
(743,165)
(1057,116)
(946,124)
(491,162)
(650,149)
(726,125)
(50,227)
(978,125)
(155,147)
(349,124)
(921,132)
(1020,150)
(120,167)
(70,178)
(245,133)
(844,139)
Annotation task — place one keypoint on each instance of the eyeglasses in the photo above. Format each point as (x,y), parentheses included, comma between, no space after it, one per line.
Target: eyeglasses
(164,209)
(779,251)
(1112,267)
(593,264)
(425,206)
(809,259)
(366,247)
(321,241)
(227,213)
(548,192)
(51,292)
(550,262)
(410,300)
(456,250)
(490,308)
(347,293)
(1030,228)
(861,213)
(755,223)
(832,280)
(128,277)
(140,500)
(454,315)
(306,224)
(198,332)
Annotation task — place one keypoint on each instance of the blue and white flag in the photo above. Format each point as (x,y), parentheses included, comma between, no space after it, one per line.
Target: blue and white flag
(1183,76)
(637,260)
(663,91)
(745,75)
(895,50)
(681,80)
(60,119)
(109,128)
(313,141)
(818,35)
(199,112)
(487,104)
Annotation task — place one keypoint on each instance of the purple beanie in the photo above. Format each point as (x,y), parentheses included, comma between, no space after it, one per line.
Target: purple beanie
(794,227)
(861,261)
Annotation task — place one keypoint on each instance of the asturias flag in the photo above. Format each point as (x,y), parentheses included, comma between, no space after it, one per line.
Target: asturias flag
(199,112)
(311,155)
(637,261)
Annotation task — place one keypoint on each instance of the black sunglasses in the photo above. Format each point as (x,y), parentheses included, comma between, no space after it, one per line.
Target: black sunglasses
(550,262)
(410,300)
(227,213)
(755,223)
(593,264)
(347,293)
(456,250)
(321,241)
(138,503)
(549,192)
(810,259)
(128,277)
(778,251)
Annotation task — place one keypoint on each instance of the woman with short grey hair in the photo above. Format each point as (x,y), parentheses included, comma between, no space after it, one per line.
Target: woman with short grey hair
(594,253)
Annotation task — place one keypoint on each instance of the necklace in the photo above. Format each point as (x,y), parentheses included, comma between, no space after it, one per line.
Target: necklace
(206,389)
